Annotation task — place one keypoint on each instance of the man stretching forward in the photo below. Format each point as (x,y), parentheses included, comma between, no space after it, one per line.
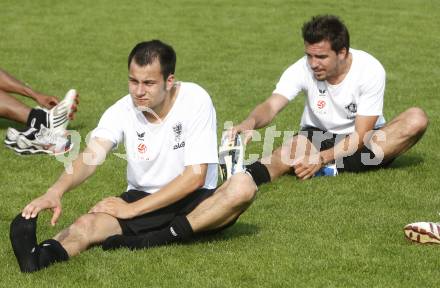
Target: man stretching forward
(169,132)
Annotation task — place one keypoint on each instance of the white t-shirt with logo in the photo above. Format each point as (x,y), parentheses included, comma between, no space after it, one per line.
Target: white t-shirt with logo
(333,108)
(158,152)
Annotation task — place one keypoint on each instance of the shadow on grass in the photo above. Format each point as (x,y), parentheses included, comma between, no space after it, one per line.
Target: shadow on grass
(237,230)
(406,161)
(5,124)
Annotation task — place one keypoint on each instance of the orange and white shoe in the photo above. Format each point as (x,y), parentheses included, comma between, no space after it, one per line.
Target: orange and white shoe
(423,232)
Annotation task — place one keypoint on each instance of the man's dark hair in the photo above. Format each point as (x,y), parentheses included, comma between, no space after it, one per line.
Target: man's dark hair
(327,27)
(145,53)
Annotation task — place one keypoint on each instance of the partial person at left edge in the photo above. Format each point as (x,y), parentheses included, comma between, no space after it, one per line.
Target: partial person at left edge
(45,125)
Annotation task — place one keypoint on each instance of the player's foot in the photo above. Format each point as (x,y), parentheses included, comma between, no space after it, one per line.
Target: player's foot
(12,136)
(43,141)
(59,116)
(327,170)
(24,243)
(231,154)
(12,133)
(423,232)
(56,119)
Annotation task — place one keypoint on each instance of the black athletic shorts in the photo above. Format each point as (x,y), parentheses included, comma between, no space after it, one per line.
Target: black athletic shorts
(160,218)
(352,163)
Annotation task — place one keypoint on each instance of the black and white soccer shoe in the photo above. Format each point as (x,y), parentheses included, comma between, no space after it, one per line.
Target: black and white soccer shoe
(231,155)
(43,141)
(58,117)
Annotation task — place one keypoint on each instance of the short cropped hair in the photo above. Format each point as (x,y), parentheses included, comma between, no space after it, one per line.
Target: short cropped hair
(145,53)
(327,27)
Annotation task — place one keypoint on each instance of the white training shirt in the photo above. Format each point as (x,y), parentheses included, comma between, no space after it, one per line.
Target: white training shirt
(333,108)
(158,152)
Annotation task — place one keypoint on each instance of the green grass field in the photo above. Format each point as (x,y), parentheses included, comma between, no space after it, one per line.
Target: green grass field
(327,232)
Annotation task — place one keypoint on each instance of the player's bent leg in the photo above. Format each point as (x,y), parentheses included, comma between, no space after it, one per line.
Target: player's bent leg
(13,109)
(227,203)
(282,159)
(400,134)
(218,210)
(88,230)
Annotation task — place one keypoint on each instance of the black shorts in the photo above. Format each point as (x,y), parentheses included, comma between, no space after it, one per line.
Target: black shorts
(160,218)
(352,163)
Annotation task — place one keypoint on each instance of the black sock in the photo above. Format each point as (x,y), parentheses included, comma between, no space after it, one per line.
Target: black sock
(179,230)
(51,251)
(24,242)
(259,172)
(36,118)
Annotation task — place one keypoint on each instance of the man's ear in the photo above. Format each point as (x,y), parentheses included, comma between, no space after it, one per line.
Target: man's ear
(170,82)
(343,53)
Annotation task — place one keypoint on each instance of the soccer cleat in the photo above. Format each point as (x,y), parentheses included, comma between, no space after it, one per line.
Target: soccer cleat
(50,137)
(12,136)
(43,141)
(12,133)
(231,153)
(423,232)
(58,117)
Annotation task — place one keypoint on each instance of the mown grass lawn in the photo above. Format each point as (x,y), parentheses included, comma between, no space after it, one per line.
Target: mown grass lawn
(328,232)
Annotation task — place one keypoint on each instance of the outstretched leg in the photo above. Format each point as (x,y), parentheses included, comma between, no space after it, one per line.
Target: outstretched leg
(89,229)
(86,231)
(222,208)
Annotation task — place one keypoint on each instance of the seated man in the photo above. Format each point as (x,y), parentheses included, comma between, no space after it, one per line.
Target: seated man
(169,132)
(342,117)
(24,141)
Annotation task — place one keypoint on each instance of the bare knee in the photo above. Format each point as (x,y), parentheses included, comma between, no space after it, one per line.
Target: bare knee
(416,121)
(241,190)
(83,227)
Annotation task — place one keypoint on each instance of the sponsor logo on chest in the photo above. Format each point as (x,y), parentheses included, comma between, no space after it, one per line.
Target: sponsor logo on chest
(320,103)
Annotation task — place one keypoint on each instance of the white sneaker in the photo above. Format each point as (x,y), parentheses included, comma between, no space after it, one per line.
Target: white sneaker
(231,154)
(423,232)
(43,141)
(58,116)
(11,136)
(57,119)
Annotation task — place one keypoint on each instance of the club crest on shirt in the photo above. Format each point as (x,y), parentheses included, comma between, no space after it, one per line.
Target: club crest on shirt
(351,110)
(178,129)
